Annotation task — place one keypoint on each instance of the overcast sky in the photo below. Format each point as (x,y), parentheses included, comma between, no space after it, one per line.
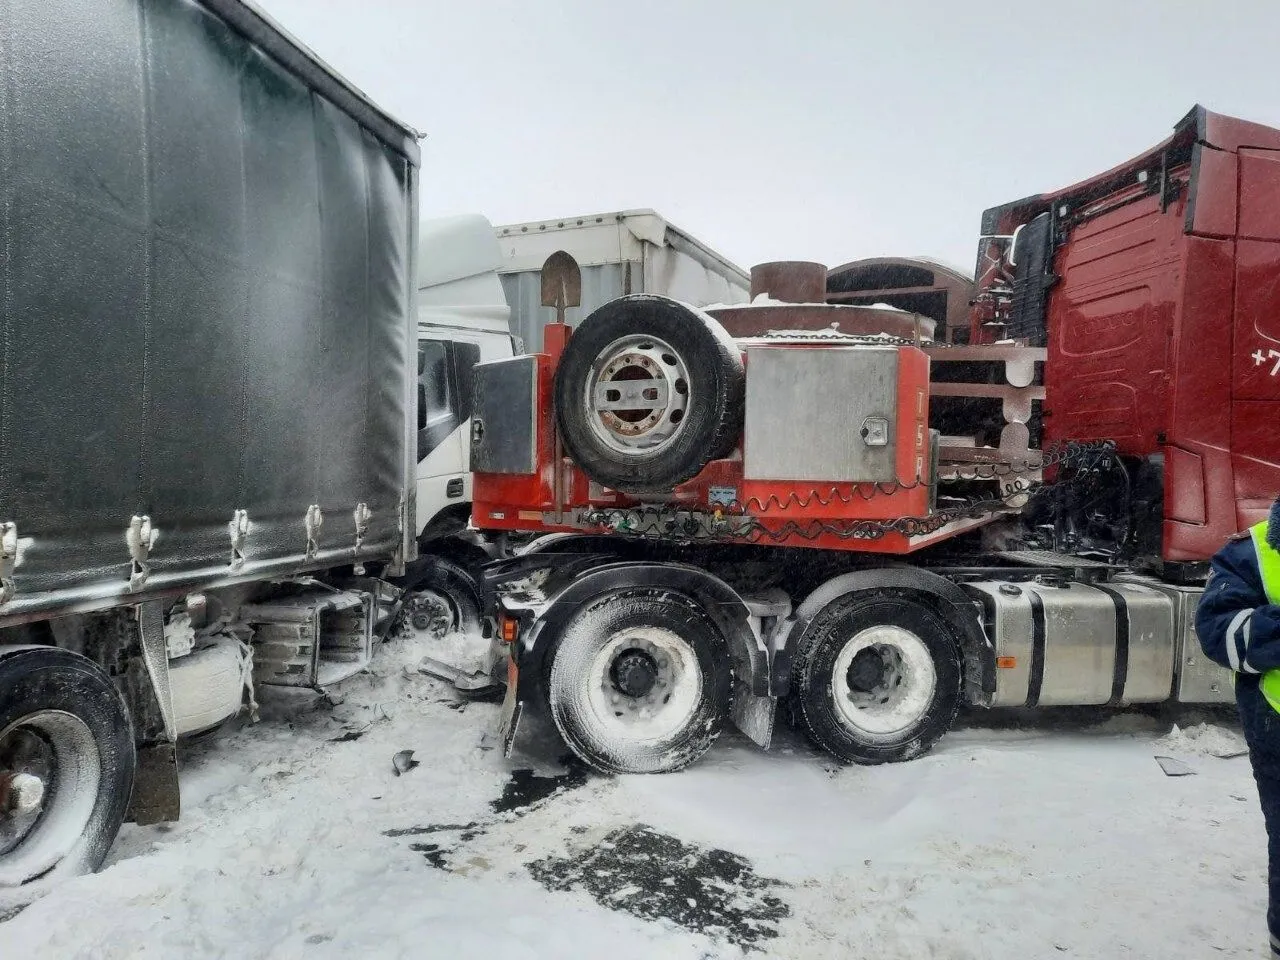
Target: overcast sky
(789,129)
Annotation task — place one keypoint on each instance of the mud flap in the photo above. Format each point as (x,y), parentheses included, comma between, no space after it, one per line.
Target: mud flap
(754,715)
(156,797)
(532,738)
(529,735)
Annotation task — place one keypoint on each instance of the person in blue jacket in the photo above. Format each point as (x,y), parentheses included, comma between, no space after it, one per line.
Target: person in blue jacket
(1238,622)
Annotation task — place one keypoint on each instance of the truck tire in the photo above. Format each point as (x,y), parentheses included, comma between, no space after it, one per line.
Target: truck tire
(67,764)
(688,412)
(444,597)
(876,679)
(207,686)
(639,682)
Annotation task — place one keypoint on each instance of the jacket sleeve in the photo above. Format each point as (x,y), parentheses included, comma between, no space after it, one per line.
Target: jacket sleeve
(1236,625)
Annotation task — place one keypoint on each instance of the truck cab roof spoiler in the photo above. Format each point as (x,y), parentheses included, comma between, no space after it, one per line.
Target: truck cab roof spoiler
(1198,126)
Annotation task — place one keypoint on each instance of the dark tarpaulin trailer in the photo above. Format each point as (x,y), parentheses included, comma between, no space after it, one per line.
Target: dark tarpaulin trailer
(207,280)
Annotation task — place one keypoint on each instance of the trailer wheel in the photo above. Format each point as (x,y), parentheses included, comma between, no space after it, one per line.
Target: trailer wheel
(876,680)
(648,392)
(66,764)
(640,682)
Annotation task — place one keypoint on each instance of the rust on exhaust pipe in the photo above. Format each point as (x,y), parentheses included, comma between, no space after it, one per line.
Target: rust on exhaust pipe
(790,281)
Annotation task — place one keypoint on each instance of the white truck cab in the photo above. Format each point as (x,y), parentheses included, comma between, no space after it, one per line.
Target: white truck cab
(463,319)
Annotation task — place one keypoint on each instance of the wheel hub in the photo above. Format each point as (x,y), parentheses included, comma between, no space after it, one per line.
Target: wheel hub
(637,394)
(644,682)
(20,793)
(883,681)
(431,613)
(26,762)
(869,671)
(635,673)
(52,769)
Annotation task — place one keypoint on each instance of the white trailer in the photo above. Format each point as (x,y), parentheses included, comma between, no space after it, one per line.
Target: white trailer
(632,251)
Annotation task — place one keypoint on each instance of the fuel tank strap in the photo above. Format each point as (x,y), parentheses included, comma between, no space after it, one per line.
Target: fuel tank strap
(1121,673)
(1036,679)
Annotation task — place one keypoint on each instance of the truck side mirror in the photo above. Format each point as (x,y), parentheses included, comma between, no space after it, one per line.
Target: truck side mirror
(422,405)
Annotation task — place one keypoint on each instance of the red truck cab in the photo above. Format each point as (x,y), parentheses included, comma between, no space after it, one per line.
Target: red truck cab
(1155,288)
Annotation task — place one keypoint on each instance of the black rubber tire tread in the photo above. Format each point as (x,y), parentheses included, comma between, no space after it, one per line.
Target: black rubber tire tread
(459,583)
(48,678)
(712,425)
(812,702)
(470,556)
(589,629)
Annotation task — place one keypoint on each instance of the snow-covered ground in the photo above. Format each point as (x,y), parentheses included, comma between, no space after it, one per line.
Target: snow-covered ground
(298,839)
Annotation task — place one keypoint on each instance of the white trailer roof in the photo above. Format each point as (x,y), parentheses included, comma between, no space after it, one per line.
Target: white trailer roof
(603,238)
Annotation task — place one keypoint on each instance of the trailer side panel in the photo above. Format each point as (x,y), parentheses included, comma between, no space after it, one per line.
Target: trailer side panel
(206,276)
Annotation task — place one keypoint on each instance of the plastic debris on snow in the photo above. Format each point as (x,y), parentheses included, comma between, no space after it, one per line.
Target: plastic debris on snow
(1174,767)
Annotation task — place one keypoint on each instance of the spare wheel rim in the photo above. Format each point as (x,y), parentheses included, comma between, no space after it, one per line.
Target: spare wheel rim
(644,684)
(637,395)
(883,681)
(59,750)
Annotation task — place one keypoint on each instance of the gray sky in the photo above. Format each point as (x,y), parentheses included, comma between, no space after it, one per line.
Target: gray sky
(789,129)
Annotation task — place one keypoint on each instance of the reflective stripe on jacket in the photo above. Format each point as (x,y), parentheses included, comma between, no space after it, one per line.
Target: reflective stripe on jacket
(1238,620)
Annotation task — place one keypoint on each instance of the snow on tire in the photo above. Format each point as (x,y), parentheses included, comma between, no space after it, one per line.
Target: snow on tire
(640,682)
(876,679)
(67,764)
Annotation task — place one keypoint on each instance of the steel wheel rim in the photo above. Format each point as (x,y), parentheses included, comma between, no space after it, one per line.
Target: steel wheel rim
(664,710)
(883,681)
(637,395)
(71,777)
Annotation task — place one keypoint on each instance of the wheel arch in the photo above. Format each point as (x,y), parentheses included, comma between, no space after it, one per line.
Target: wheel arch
(449,521)
(721,602)
(937,593)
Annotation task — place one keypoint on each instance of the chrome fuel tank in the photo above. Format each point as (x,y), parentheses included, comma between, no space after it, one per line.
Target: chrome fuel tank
(1066,643)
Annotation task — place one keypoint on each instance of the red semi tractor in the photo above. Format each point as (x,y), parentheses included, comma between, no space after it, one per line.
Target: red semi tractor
(872,516)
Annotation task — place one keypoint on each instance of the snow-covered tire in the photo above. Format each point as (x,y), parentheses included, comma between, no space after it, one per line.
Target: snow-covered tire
(640,682)
(694,416)
(63,723)
(207,686)
(449,585)
(876,679)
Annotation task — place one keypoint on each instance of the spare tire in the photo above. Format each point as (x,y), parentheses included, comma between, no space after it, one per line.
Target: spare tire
(648,391)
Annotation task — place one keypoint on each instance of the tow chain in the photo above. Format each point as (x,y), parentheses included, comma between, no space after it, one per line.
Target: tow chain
(736,521)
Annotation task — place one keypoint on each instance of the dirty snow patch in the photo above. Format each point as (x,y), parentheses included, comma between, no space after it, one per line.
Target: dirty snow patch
(1203,740)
